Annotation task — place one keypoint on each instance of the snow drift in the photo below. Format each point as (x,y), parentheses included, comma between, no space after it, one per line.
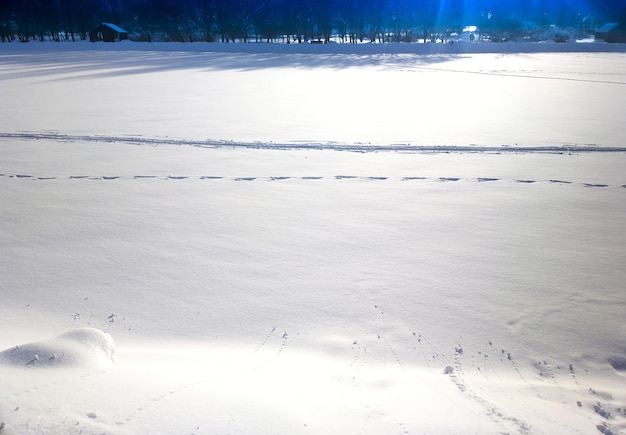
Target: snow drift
(80,347)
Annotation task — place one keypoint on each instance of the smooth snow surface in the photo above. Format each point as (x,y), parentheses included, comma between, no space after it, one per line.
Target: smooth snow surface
(290,94)
(198,206)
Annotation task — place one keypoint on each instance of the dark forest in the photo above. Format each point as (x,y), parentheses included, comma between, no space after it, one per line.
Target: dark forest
(299,20)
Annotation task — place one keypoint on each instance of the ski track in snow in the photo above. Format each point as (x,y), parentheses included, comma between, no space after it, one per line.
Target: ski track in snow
(360,148)
(332,146)
(476,373)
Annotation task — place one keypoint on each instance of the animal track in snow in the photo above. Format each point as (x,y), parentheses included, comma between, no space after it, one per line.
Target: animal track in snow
(392,350)
(265,340)
(246,365)
(418,338)
(476,393)
(384,339)
(454,363)
(359,355)
(280,347)
(549,372)
(479,374)
(609,413)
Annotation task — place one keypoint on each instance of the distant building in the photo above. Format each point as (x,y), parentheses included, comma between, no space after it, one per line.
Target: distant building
(108,32)
(611,32)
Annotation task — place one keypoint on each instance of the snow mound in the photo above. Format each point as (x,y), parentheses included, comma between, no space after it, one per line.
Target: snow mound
(80,347)
(618,363)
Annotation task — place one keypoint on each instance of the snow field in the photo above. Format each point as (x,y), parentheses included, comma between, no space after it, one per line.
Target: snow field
(204,91)
(312,291)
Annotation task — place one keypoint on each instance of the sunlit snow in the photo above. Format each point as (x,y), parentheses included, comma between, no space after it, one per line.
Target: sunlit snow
(214,239)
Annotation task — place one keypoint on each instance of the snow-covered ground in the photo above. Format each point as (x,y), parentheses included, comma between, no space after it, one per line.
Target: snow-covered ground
(270,239)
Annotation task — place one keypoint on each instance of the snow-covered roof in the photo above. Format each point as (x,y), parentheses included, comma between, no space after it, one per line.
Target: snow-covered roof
(607,27)
(115,27)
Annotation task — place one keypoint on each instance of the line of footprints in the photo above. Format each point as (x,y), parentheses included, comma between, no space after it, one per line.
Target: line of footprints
(283,178)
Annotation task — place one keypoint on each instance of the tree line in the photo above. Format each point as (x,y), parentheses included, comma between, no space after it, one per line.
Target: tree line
(294,20)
